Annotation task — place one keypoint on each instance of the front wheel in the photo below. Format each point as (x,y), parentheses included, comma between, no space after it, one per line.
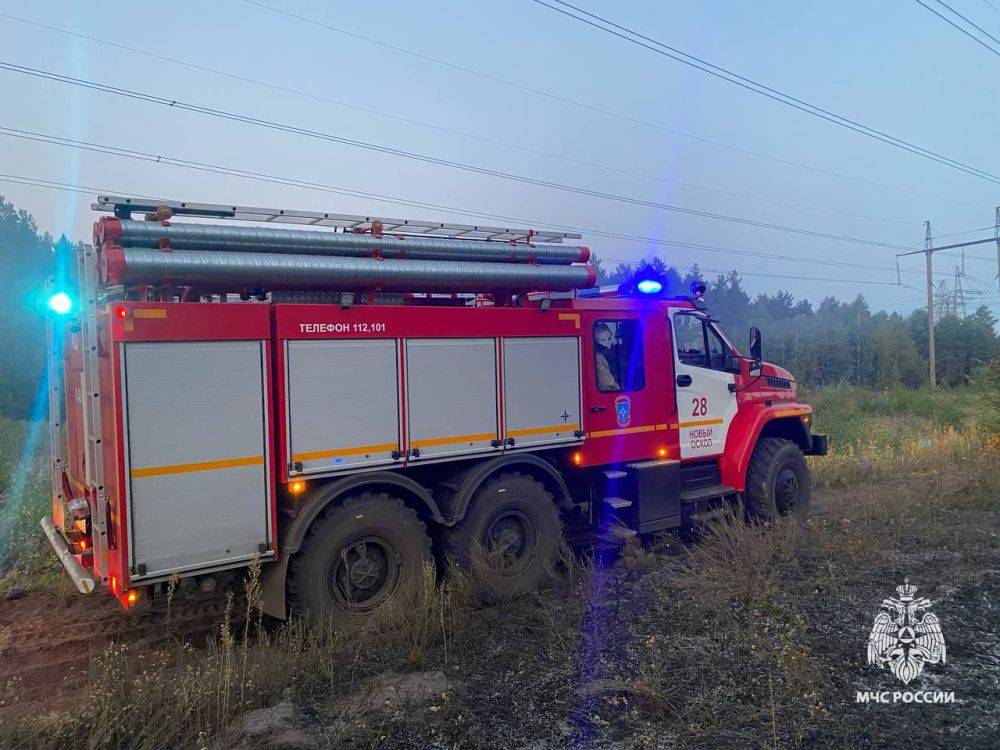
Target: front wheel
(778,481)
(358,555)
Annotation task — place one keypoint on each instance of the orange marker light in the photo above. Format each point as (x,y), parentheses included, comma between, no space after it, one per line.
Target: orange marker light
(82,545)
(297,487)
(577,458)
(130,598)
(662,453)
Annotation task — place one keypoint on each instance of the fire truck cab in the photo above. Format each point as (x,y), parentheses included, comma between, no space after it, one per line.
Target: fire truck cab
(335,420)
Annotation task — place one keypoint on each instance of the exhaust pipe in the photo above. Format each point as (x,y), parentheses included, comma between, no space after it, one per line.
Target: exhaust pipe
(84,582)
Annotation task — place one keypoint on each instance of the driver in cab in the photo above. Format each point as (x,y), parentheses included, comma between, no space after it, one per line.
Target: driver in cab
(604,341)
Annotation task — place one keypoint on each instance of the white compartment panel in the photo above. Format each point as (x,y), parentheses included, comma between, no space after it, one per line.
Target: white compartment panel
(452,396)
(343,403)
(542,389)
(197,453)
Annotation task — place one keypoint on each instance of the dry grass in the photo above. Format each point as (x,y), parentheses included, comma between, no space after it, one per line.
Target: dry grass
(183,695)
(911,451)
(752,636)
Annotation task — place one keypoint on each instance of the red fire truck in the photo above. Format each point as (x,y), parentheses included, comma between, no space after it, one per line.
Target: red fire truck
(351,399)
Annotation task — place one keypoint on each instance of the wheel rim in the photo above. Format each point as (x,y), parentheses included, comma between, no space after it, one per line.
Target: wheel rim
(364,573)
(787,490)
(510,541)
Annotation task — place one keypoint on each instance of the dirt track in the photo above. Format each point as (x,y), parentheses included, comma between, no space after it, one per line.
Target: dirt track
(52,639)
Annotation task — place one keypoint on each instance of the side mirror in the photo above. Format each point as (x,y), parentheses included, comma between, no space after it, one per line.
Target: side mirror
(755,351)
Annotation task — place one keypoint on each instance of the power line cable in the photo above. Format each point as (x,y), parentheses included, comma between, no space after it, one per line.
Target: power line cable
(389,150)
(947,20)
(969,21)
(295,182)
(431,126)
(954,234)
(694,266)
(593,108)
(630,35)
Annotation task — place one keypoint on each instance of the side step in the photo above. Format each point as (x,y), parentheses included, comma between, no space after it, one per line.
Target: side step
(616,503)
(706,493)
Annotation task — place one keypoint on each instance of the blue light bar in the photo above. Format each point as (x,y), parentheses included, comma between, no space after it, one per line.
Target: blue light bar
(60,303)
(650,286)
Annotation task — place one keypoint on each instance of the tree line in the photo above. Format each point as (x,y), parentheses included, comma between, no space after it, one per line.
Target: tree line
(834,342)
(829,343)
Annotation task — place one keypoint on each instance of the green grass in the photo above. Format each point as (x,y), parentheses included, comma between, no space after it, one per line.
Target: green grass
(854,416)
(25,558)
(877,435)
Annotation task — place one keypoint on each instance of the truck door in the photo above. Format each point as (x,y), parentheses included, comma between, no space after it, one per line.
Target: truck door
(627,416)
(706,389)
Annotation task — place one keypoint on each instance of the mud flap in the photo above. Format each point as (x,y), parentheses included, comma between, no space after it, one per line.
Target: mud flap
(272,587)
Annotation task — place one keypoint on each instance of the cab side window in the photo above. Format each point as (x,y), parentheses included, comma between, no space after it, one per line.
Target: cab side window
(718,352)
(698,343)
(618,356)
(689,338)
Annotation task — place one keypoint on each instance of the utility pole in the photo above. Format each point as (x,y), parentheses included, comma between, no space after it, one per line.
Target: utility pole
(996,233)
(928,252)
(959,303)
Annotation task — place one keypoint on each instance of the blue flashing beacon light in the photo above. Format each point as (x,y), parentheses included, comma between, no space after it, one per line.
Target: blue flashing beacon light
(60,303)
(650,286)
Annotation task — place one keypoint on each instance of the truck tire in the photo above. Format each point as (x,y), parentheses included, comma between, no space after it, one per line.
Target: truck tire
(778,481)
(358,555)
(509,539)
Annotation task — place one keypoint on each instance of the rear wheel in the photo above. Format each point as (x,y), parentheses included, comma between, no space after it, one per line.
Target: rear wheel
(357,556)
(509,538)
(778,481)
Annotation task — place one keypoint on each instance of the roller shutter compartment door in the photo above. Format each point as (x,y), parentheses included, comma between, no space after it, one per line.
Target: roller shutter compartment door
(541,385)
(197,453)
(451,396)
(343,404)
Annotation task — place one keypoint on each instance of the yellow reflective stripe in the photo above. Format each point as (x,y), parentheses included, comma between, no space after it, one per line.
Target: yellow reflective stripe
(355,451)
(792,412)
(543,430)
(701,423)
(622,431)
(575,317)
(157,312)
(229,463)
(660,427)
(453,440)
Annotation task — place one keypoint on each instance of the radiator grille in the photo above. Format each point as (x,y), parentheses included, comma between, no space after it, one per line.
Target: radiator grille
(778,383)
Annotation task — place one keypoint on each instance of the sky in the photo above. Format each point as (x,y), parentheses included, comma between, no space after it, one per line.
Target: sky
(891,65)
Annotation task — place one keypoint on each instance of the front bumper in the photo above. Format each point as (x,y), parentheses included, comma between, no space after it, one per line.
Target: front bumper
(817,445)
(84,583)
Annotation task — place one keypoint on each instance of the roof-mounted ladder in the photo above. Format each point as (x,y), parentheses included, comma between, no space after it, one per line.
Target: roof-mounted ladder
(123,208)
